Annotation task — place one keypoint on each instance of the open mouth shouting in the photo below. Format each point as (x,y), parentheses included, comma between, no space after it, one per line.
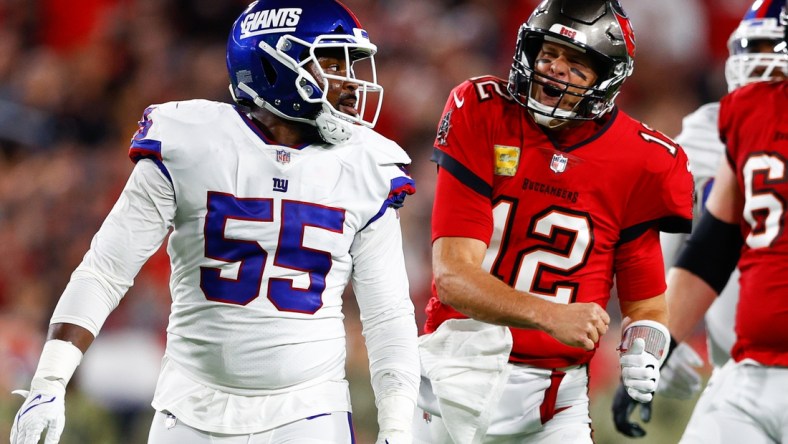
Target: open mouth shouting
(551,94)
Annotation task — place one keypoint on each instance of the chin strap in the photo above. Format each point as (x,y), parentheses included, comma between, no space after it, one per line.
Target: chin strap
(560,118)
(547,121)
(332,129)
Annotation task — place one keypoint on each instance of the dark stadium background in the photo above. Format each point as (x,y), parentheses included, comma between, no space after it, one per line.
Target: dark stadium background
(76,76)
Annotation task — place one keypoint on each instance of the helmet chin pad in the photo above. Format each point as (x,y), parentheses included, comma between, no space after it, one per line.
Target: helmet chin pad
(548,117)
(333,130)
(274,54)
(600,30)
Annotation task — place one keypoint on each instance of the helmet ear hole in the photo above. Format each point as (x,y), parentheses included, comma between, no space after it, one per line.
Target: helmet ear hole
(269,71)
(597,28)
(271,60)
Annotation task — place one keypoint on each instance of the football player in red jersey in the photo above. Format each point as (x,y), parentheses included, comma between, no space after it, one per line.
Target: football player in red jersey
(546,193)
(755,56)
(743,225)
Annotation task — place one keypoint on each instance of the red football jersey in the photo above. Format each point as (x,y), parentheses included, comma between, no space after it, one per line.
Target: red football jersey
(754,126)
(556,208)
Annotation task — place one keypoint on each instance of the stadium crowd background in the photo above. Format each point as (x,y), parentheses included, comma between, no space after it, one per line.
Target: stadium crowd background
(76,76)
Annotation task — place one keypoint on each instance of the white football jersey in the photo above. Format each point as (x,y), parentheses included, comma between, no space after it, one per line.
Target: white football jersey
(251,218)
(700,139)
(265,238)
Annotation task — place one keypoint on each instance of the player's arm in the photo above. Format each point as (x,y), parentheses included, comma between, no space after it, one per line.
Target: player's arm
(458,250)
(640,279)
(462,283)
(380,283)
(701,271)
(645,339)
(709,256)
(652,309)
(130,234)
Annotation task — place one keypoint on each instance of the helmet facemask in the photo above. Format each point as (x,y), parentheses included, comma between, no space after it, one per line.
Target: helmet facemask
(593,101)
(333,125)
(598,29)
(756,53)
(273,58)
(361,72)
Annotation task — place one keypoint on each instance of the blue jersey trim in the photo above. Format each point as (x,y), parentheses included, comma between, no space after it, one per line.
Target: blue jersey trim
(350,424)
(160,165)
(400,188)
(142,148)
(706,191)
(268,141)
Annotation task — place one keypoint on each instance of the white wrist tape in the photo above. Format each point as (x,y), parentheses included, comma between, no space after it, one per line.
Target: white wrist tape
(395,412)
(655,335)
(57,364)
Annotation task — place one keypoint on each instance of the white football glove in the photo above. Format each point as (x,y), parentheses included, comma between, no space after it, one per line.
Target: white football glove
(680,379)
(43,410)
(639,371)
(394,437)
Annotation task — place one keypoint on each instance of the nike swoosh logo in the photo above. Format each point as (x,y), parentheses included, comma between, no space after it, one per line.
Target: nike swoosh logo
(31,406)
(458,102)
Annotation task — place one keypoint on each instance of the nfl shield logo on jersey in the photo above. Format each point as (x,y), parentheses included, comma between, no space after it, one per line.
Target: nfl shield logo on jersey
(282,156)
(558,164)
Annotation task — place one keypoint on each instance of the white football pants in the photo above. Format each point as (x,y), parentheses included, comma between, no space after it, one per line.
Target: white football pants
(537,406)
(744,402)
(331,428)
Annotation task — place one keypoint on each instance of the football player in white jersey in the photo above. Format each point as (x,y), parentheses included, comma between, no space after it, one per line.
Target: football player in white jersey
(274,204)
(752,58)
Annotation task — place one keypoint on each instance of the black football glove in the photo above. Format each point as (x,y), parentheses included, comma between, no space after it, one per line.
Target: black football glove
(623,406)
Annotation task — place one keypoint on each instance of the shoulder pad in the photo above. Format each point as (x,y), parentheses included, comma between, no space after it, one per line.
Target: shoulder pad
(196,111)
(381,150)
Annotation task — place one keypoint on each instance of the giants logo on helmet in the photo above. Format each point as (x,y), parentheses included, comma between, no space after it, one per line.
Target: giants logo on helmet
(270,20)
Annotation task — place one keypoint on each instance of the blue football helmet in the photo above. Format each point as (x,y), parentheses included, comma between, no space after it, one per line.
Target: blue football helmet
(598,28)
(763,26)
(268,51)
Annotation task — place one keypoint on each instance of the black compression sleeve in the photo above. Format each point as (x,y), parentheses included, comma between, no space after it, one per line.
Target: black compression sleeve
(712,251)
(673,345)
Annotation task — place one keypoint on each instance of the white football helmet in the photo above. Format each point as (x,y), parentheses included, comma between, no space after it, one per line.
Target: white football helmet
(761,29)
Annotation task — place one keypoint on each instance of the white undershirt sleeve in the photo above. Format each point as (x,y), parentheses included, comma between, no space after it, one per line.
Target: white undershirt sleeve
(671,245)
(380,283)
(131,233)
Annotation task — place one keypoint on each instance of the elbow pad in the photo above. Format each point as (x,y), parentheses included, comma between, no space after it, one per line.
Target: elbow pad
(712,251)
